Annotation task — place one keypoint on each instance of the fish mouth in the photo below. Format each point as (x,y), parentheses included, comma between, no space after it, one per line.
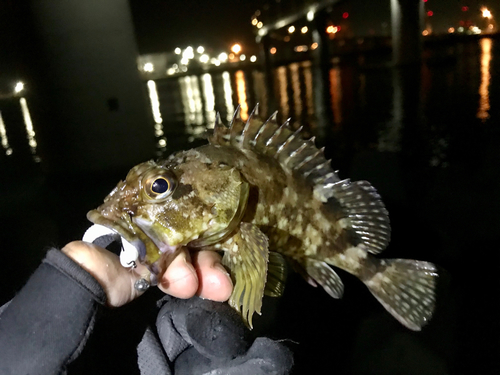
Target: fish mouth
(138,246)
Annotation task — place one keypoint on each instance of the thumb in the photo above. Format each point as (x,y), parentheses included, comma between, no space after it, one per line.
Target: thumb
(117,281)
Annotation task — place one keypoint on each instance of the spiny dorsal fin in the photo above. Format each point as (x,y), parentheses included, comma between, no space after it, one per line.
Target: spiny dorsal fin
(364,211)
(280,141)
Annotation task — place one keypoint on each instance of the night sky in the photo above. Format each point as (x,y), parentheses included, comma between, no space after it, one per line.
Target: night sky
(162,25)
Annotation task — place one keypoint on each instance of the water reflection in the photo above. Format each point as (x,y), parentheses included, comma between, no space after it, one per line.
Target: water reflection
(336,94)
(29,128)
(155,108)
(208,94)
(484,97)
(3,137)
(283,92)
(390,136)
(228,95)
(242,94)
(191,101)
(308,84)
(297,99)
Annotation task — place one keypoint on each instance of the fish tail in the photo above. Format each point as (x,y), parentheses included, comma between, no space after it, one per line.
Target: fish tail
(406,288)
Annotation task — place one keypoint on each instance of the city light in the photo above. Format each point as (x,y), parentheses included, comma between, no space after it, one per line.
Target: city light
(332,29)
(223,57)
(345,15)
(310,15)
(486,13)
(19,87)
(200,49)
(259,25)
(253,58)
(149,67)
(255,22)
(204,58)
(425,32)
(314,45)
(177,51)
(291,29)
(188,53)
(242,57)
(272,50)
(236,48)
(304,30)
(430,13)
(475,30)
(465,9)
(451,30)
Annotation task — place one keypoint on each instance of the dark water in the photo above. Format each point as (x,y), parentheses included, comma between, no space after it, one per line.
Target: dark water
(428,138)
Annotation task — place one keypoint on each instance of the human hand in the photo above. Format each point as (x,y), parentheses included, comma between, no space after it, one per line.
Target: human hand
(186,276)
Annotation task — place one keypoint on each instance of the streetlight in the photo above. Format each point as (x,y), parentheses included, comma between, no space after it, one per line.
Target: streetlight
(236,48)
(223,57)
(19,87)
(486,13)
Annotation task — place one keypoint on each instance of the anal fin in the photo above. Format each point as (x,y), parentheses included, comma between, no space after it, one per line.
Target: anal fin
(324,275)
(246,255)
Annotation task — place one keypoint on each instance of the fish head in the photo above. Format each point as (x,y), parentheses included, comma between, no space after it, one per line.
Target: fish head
(187,200)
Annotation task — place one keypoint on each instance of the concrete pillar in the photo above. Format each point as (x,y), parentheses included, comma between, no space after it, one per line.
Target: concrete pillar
(407,16)
(266,57)
(320,70)
(91,106)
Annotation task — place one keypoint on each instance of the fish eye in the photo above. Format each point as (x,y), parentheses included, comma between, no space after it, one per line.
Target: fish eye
(159,184)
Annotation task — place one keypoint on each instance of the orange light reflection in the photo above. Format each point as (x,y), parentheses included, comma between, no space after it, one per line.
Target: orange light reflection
(336,95)
(282,88)
(484,95)
(242,94)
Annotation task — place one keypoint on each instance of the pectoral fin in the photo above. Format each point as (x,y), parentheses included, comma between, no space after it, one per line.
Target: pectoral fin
(246,255)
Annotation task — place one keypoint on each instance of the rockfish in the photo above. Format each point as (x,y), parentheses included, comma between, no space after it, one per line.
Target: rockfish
(260,194)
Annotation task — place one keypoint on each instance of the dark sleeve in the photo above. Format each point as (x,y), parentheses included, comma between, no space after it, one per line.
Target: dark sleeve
(47,323)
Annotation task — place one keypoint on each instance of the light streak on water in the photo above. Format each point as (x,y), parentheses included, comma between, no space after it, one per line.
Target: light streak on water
(242,94)
(336,95)
(294,72)
(208,92)
(282,85)
(390,137)
(228,95)
(191,101)
(484,94)
(29,126)
(155,108)
(3,137)
(308,83)
(155,102)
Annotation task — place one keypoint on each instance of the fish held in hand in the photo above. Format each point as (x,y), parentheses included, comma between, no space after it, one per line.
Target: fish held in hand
(260,193)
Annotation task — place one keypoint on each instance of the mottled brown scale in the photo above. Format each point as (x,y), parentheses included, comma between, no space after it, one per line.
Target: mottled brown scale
(259,189)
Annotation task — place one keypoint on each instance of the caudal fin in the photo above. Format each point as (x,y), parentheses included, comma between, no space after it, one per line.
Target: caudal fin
(406,288)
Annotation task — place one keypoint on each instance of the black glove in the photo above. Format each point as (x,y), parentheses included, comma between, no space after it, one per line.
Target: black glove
(201,336)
